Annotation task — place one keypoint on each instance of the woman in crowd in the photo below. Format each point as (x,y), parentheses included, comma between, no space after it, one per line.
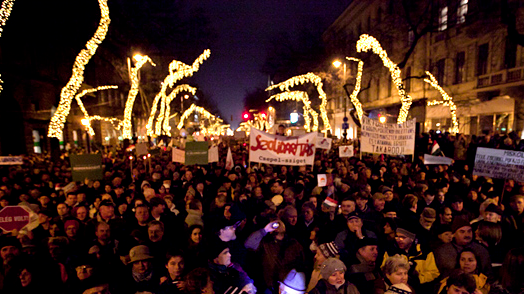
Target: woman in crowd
(469,263)
(333,281)
(395,270)
(173,282)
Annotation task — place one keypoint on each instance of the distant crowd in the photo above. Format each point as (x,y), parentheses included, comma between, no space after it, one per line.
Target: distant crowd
(381,225)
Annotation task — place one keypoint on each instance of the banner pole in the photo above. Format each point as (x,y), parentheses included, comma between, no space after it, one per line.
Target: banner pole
(503,189)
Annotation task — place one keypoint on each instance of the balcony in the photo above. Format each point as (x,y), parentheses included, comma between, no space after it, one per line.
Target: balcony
(501,77)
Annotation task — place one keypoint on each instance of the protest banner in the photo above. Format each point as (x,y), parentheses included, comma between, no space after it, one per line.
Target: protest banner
(324,143)
(86,166)
(432,159)
(11,160)
(322,180)
(387,138)
(141,149)
(499,164)
(345,151)
(212,155)
(196,153)
(179,155)
(281,150)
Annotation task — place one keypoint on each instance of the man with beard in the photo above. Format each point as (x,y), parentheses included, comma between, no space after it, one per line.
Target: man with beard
(9,251)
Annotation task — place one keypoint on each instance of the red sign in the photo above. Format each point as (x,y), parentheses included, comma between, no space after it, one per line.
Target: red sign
(13,217)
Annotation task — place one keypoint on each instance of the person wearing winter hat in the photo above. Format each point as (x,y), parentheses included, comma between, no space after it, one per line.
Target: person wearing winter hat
(363,272)
(294,283)
(333,280)
(446,254)
(324,251)
(142,276)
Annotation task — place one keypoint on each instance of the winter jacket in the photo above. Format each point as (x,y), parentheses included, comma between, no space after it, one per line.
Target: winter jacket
(446,257)
(323,287)
(426,266)
(481,280)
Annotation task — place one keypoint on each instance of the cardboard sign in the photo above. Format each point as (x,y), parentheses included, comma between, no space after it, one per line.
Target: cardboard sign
(324,143)
(281,150)
(432,159)
(179,155)
(345,151)
(11,160)
(86,166)
(322,180)
(196,153)
(239,135)
(387,138)
(13,218)
(212,155)
(499,164)
(141,149)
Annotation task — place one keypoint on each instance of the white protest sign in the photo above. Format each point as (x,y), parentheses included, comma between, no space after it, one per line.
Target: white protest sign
(499,164)
(281,150)
(432,159)
(212,154)
(141,149)
(179,155)
(322,180)
(345,151)
(11,160)
(324,143)
(387,138)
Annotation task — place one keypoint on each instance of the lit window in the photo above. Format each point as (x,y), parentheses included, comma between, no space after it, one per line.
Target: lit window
(443,19)
(462,11)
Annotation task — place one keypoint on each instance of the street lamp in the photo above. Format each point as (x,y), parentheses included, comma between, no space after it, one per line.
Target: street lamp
(345,126)
(85,123)
(182,102)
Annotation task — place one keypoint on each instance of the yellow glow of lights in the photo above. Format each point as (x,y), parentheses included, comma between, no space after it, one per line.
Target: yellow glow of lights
(82,107)
(337,63)
(366,43)
(300,96)
(177,71)
(180,88)
(447,100)
(5,12)
(356,90)
(216,128)
(67,94)
(133,91)
(382,119)
(315,80)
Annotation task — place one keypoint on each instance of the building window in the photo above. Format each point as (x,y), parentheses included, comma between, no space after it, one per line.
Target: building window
(407,81)
(460,69)
(462,11)
(510,54)
(482,59)
(443,19)
(440,68)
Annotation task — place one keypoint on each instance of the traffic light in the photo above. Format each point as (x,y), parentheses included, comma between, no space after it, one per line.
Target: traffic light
(263,115)
(245,116)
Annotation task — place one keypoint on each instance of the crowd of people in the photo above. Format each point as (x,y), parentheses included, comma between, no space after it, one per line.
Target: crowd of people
(380,225)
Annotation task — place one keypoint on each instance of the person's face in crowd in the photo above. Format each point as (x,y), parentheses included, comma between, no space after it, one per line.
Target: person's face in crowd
(308,214)
(96,204)
(389,196)
(84,271)
(4,202)
(457,206)
(314,200)
(391,214)
(347,207)
(473,195)
(289,196)
(457,290)
(54,229)
(200,187)
(42,218)
(428,198)
(107,211)
(319,257)
(463,236)
(196,235)
(258,192)
(108,188)
(369,253)
(44,200)
(107,197)
(400,276)
(468,262)
(71,199)
(447,217)
(379,204)
(337,278)
(159,209)
(446,237)
(343,170)
(492,217)
(80,197)
(142,214)
(355,224)
(267,179)
(25,278)
(155,233)
(119,191)
(519,205)
(292,217)
(281,130)
(141,267)
(81,213)
(175,266)
(62,209)
(441,196)
(188,175)
(103,232)
(224,258)
(426,223)
(276,188)
(404,242)
(228,233)
(71,231)
(387,229)
(122,208)
(361,203)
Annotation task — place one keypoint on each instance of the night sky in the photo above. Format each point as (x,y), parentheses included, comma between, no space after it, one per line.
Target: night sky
(243,30)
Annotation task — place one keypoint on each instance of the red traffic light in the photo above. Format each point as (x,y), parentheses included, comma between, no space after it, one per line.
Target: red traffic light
(263,115)
(245,116)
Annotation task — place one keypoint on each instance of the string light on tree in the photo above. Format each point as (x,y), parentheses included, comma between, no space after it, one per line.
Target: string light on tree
(447,100)
(67,94)
(5,12)
(84,110)
(133,91)
(315,80)
(356,90)
(366,43)
(178,89)
(217,122)
(300,96)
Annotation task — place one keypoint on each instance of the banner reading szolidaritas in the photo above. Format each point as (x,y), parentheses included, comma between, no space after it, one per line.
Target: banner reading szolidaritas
(387,138)
(281,150)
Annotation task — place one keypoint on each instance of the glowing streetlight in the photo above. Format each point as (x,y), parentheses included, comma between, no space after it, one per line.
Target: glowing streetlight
(382,119)
(337,63)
